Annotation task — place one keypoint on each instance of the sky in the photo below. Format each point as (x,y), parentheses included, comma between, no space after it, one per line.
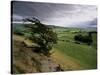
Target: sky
(66,15)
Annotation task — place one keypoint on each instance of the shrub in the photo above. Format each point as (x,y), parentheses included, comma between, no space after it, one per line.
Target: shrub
(83,39)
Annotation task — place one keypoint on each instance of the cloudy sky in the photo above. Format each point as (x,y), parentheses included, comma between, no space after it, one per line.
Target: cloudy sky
(67,15)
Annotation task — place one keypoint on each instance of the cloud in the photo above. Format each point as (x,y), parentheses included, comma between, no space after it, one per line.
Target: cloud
(55,14)
(17,17)
(94,22)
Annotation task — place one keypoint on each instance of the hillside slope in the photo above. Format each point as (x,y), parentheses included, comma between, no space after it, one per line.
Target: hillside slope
(25,60)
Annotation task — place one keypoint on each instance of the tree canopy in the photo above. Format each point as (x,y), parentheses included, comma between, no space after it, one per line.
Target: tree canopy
(42,34)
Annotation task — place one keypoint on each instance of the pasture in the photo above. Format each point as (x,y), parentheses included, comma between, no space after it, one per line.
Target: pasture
(81,53)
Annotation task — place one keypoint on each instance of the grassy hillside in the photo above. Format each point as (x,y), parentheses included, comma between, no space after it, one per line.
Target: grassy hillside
(26,60)
(66,53)
(84,54)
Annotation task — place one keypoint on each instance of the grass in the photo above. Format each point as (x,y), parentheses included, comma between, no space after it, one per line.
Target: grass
(82,53)
(66,62)
(94,37)
(21,38)
(69,55)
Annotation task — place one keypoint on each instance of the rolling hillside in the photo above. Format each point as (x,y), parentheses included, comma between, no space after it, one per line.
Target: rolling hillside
(66,55)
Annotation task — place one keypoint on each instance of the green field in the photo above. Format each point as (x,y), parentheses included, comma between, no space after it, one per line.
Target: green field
(82,53)
(67,53)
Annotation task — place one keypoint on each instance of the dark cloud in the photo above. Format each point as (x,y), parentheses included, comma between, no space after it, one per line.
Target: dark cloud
(55,14)
(94,22)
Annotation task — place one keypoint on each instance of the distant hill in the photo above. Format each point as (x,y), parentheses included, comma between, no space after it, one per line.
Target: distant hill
(52,26)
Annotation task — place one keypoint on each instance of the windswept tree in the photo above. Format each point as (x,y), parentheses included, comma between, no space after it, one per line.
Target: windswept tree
(43,35)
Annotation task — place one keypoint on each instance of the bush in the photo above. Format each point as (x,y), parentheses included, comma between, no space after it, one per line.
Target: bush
(83,39)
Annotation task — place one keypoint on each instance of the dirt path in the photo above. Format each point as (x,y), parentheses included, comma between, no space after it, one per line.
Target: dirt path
(66,62)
